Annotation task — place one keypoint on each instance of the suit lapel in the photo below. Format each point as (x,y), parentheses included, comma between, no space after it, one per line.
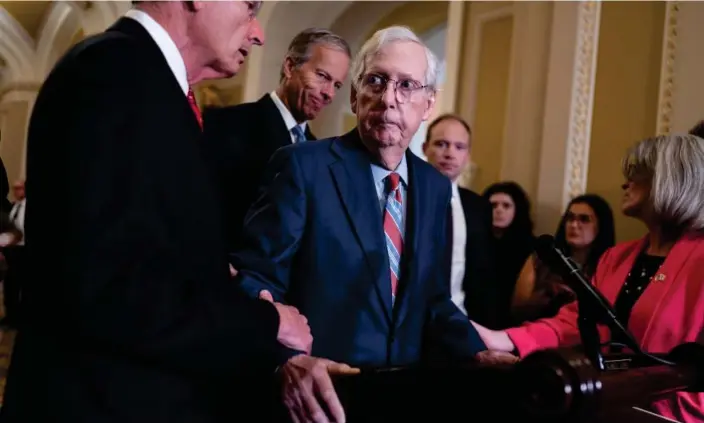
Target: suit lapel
(664,282)
(353,178)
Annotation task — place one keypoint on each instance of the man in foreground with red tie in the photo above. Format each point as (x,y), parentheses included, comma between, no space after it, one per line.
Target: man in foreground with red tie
(351,230)
(129,314)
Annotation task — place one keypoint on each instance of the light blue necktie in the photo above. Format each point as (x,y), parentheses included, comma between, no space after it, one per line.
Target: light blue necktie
(299,134)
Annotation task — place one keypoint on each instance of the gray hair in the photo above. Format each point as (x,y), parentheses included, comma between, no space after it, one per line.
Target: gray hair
(675,165)
(387,36)
(299,51)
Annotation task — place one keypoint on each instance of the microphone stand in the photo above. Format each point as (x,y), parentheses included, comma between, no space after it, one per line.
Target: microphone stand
(593,308)
(588,330)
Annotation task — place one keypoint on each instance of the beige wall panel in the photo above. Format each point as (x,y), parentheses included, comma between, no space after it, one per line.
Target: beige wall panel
(626,96)
(494,62)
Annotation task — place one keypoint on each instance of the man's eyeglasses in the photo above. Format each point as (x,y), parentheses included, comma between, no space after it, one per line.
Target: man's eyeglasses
(405,89)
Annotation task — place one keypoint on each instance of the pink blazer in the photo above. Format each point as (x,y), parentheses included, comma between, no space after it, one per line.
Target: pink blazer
(669,312)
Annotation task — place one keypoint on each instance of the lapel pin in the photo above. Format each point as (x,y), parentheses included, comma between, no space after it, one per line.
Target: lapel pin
(660,277)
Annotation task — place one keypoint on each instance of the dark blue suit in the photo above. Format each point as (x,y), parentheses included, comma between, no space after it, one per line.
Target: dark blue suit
(315,240)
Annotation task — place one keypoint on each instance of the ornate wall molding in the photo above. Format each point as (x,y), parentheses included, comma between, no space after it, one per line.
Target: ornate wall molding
(582,102)
(667,68)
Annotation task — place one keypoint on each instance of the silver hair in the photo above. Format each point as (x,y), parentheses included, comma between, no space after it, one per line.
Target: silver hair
(387,36)
(299,51)
(675,165)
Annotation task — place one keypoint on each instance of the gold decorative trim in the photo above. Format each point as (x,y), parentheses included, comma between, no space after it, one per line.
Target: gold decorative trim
(667,68)
(582,106)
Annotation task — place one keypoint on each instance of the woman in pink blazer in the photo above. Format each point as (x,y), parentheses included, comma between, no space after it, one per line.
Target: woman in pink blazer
(656,284)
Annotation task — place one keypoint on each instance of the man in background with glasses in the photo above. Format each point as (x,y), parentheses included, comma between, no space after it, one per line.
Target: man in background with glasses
(351,231)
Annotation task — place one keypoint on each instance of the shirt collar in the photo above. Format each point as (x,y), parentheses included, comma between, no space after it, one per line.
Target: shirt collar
(165,43)
(286,114)
(455,190)
(379,173)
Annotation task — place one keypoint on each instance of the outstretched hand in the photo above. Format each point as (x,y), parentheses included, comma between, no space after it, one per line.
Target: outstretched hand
(308,390)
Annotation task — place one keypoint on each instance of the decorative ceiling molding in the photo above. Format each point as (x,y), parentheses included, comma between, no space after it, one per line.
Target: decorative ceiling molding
(27,62)
(16,48)
(60,25)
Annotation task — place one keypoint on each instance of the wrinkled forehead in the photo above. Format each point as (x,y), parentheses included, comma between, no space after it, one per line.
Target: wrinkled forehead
(399,60)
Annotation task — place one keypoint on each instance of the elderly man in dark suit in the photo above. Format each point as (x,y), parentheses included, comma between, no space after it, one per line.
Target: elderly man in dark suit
(129,314)
(470,258)
(352,229)
(241,139)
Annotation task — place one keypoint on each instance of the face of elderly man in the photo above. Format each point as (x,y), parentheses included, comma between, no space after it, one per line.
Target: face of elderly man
(392,98)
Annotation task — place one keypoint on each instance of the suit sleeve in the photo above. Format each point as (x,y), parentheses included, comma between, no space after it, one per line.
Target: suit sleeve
(273,229)
(448,328)
(120,294)
(561,330)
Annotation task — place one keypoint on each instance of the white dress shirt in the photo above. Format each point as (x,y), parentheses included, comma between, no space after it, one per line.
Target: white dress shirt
(287,116)
(165,43)
(459,243)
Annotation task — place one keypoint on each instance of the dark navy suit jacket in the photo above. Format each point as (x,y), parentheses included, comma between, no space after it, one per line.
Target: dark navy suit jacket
(315,240)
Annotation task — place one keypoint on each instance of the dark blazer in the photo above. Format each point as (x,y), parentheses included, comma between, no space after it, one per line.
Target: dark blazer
(315,240)
(241,140)
(130,312)
(479,275)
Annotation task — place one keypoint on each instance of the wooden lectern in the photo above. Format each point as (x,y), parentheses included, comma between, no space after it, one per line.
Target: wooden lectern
(549,386)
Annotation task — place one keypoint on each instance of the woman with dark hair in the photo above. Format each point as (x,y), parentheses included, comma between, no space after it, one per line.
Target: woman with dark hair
(585,232)
(513,240)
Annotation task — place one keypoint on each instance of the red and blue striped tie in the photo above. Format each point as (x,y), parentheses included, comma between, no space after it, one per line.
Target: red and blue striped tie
(393,222)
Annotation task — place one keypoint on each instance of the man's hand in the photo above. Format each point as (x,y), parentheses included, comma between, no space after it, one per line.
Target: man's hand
(307,379)
(294,331)
(496,358)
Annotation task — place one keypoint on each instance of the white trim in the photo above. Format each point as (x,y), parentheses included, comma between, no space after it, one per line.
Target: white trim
(582,103)
(667,69)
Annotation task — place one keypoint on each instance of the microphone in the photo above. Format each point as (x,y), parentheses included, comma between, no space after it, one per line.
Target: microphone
(591,301)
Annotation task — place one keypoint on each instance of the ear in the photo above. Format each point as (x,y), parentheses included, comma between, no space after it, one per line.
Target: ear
(353,99)
(289,65)
(430,106)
